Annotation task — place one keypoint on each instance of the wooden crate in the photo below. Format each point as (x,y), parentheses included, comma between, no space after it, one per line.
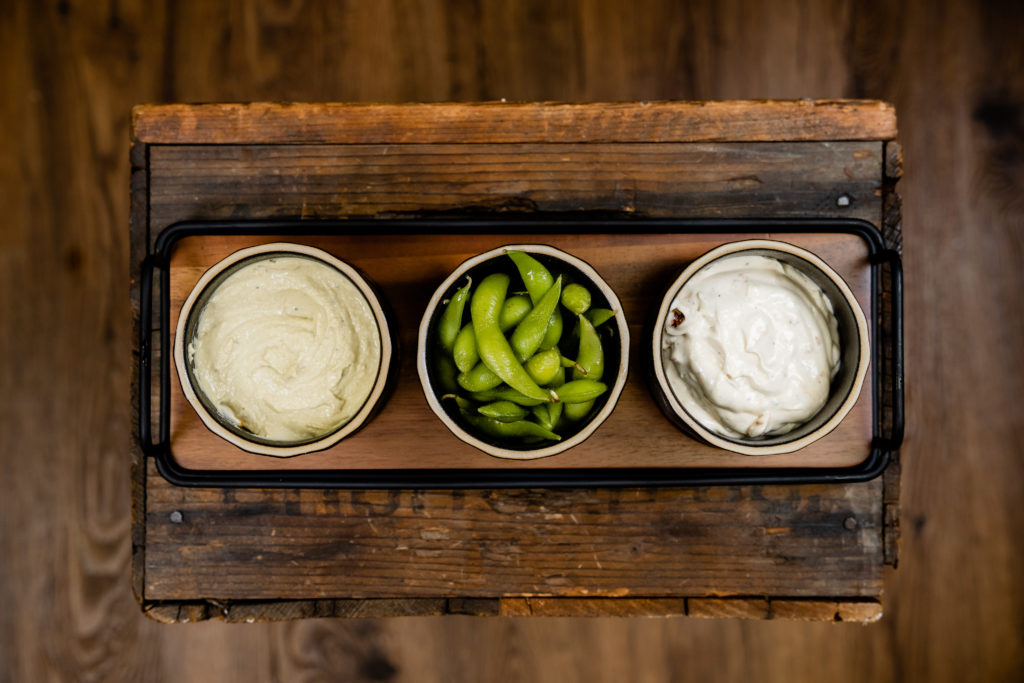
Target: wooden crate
(805,551)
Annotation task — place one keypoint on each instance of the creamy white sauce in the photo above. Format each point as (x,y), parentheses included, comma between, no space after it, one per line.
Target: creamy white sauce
(286,348)
(750,347)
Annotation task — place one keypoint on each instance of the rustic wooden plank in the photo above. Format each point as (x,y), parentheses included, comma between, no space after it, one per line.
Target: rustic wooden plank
(808,179)
(892,205)
(479,607)
(893,160)
(860,611)
(250,612)
(729,608)
(804,610)
(866,611)
(648,122)
(855,611)
(593,607)
(138,246)
(258,544)
(891,485)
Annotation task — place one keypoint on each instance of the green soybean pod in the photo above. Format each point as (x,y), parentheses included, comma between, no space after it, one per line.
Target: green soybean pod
(513,311)
(529,333)
(462,403)
(464,351)
(543,366)
(542,414)
(554,331)
(578,411)
(505,393)
(495,351)
(504,411)
(581,390)
(555,409)
(570,363)
(537,279)
(599,316)
(479,378)
(520,430)
(576,298)
(451,318)
(591,353)
(445,373)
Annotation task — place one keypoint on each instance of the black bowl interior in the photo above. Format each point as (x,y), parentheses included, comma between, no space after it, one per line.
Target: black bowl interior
(570,274)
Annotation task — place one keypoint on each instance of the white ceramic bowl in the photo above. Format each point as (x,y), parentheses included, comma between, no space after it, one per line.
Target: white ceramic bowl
(191,313)
(854,342)
(616,348)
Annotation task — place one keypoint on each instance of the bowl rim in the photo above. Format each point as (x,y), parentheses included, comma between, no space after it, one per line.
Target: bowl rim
(615,390)
(285,449)
(668,396)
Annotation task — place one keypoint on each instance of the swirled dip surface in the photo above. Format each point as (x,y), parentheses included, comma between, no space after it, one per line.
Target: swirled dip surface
(286,348)
(751,346)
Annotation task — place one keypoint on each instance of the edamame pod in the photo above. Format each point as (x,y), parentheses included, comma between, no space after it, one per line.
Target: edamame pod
(451,318)
(543,366)
(555,409)
(513,311)
(529,334)
(576,298)
(536,277)
(495,351)
(580,390)
(591,353)
(505,393)
(554,331)
(479,378)
(504,411)
(445,373)
(599,316)
(542,415)
(578,411)
(519,430)
(464,350)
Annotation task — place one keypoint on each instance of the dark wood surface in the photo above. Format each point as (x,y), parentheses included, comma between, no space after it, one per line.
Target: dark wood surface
(824,541)
(788,542)
(70,73)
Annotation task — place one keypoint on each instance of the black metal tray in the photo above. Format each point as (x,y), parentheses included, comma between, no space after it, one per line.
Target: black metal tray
(886,367)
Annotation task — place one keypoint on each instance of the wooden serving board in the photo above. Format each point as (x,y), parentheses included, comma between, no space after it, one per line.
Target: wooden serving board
(407,435)
(754,549)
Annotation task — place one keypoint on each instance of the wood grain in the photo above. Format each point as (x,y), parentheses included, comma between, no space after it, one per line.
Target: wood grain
(407,435)
(183,178)
(70,72)
(653,122)
(233,544)
(728,180)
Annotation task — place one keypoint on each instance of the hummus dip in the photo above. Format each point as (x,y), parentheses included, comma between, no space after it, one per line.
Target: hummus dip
(750,347)
(286,348)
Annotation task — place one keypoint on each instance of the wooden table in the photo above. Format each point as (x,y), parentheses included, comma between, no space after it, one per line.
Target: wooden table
(814,551)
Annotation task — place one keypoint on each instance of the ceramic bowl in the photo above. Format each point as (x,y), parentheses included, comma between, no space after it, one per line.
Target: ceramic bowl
(845,388)
(223,424)
(614,334)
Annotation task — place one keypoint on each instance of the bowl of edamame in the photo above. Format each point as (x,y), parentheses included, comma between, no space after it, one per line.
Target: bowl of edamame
(523,351)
